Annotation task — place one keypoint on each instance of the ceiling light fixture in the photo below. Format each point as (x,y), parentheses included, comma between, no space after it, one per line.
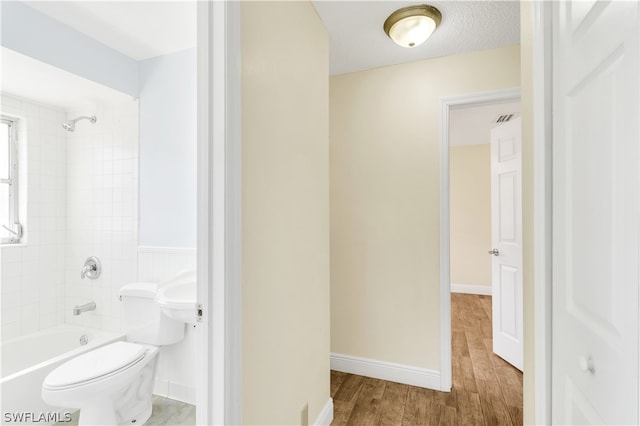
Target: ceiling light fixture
(411,26)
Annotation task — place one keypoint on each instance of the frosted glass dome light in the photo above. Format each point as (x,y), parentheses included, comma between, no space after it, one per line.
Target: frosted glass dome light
(411,26)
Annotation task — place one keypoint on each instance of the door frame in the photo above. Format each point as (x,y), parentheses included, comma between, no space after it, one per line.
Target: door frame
(542,209)
(219,331)
(446,104)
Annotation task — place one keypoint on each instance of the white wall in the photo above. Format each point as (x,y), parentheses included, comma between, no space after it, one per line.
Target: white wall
(32,282)
(32,33)
(285,213)
(167,238)
(168,150)
(102,211)
(470,204)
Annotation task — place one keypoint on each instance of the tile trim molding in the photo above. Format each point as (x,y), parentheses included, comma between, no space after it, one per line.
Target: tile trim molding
(170,250)
(471,289)
(399,373)
(326,414)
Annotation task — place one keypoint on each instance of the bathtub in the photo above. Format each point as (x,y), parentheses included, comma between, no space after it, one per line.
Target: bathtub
(27,360)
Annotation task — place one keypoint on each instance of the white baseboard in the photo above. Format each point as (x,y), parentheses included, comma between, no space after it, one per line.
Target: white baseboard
(399,373)
(175,391)
(326,415)
(471,289)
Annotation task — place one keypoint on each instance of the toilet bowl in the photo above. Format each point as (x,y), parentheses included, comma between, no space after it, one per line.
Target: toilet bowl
(113,384)
(110,385)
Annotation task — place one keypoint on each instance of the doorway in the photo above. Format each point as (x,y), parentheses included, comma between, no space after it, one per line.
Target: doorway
(448,105)
(466,173)
(486,213)
(485,327)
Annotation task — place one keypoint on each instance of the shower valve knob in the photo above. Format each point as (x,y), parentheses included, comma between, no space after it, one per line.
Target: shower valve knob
(92,268)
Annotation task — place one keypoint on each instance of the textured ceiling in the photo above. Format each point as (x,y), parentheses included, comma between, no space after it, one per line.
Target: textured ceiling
(358,42)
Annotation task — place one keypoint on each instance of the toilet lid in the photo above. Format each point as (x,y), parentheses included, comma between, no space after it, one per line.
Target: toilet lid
(96,363)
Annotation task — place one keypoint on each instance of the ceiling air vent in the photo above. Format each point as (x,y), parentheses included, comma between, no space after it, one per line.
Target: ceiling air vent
(504,118)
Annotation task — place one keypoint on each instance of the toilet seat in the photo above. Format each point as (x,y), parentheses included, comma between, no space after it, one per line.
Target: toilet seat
(95,365)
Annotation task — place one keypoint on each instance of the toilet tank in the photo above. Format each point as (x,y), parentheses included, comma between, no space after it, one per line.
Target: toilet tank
(143,320)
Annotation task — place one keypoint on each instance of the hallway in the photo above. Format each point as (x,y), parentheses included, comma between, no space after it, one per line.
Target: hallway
(486,389)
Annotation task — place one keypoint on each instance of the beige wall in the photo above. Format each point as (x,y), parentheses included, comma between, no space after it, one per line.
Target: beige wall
(470,201)
(385,205)
(526,58)
(285,213)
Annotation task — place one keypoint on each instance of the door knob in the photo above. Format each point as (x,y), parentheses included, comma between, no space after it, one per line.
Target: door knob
(494,252)
(586,365)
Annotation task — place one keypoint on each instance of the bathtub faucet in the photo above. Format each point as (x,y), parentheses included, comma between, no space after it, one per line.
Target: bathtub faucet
(91,306)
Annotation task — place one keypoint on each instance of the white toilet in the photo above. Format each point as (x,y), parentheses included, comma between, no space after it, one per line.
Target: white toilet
(113,384)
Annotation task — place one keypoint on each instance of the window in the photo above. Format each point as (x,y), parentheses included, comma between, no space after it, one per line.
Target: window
(10,228)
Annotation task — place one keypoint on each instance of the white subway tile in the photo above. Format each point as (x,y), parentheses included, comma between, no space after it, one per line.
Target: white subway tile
(10,254)
(48,320)
(30,325)
(29,296)
(10,270)
(30,311)
(11,330)
(11,285)
(30,280)
(47,306)
(11,314)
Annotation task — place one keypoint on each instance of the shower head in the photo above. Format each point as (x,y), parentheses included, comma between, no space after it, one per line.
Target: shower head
(70,125)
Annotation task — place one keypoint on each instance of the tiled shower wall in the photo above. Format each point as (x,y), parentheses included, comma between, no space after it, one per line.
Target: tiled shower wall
(102,212)
(79,193)
(33,276)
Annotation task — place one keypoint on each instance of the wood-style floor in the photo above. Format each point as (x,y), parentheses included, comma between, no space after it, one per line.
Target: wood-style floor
(486,389)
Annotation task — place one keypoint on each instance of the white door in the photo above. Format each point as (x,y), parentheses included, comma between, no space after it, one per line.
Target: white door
(595,212)
(506,237)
